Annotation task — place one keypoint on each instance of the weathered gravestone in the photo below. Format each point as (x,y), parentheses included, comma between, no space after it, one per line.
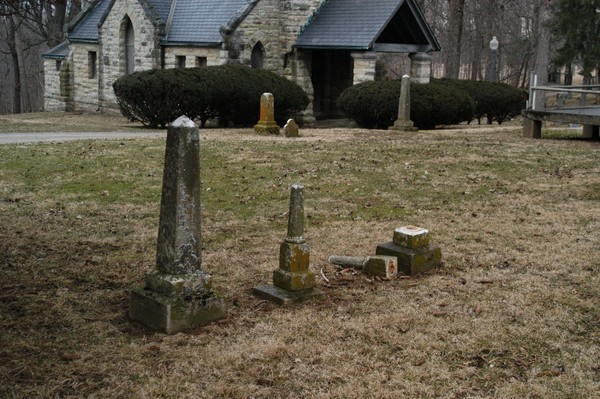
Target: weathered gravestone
(266,124)
(178,295)
(403,123)
(293,281)
(291,129)
(412,248)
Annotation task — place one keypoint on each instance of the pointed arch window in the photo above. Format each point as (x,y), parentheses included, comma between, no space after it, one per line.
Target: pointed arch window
(129,48)
(258,55)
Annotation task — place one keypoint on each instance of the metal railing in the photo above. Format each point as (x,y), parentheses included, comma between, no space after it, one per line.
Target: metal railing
(538,96)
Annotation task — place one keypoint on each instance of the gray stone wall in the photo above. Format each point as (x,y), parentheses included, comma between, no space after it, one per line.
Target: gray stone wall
(111,57)
(85,93)
(53,99)
(212,56)
(364,66)
(275,24)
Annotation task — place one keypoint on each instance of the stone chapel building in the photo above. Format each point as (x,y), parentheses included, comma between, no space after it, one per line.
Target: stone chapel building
(324,46)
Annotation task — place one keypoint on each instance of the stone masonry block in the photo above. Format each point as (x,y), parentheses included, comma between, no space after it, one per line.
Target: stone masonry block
(170,315)
(411,237)
(195,284)
(294,257)
(293,281)
(412,261)
(381,266)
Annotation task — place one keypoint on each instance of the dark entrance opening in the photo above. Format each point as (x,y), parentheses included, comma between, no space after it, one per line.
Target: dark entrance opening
(331,73)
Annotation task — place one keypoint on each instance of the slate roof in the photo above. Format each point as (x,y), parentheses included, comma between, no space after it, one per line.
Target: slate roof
(59,52)
(86,28)
(199,21)
(352,24)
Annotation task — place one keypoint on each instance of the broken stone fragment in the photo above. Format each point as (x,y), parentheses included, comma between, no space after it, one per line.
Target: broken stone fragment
(381,266)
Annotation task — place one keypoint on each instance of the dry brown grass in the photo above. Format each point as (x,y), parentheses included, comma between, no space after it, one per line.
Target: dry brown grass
(513,312)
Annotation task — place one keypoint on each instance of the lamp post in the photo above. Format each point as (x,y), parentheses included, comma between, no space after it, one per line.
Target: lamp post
(494,47)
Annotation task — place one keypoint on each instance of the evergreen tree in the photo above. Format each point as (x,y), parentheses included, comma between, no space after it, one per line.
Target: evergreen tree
(578,24)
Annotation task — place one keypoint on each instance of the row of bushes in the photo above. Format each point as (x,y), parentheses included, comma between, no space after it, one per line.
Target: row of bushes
(441,102)
(231,93)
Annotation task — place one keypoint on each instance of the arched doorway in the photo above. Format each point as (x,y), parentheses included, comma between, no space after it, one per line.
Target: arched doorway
(258,55)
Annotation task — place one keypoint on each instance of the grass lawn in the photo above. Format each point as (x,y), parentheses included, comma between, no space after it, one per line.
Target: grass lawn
(512,313)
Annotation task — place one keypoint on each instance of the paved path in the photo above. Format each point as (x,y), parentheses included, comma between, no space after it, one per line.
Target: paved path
(19,138)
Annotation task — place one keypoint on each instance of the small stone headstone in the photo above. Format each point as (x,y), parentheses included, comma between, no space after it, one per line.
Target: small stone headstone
(293,281)
(291,129)
(178,294)
(266,124)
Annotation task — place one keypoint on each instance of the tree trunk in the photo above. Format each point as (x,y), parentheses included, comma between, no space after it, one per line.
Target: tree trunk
(456,9)
(542,51)
(11,41)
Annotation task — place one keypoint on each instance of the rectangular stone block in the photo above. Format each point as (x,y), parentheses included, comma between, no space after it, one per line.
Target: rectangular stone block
(293,281)
(381,266)
(294,257)
(284,297)
(171,315)
(412,261)
(411,237)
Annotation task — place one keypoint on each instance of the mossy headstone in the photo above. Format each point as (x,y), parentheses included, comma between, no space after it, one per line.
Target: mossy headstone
(293,281)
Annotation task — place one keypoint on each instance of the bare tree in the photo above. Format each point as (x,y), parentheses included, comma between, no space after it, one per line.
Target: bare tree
(28,28)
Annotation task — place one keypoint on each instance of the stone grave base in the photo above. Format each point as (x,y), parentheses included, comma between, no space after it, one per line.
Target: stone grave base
(170,315)
(403,126)
(412,261)
(284,297)
(266,127)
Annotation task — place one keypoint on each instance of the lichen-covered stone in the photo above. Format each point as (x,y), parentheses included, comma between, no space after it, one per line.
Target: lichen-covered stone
(411,237)
(170,315)
(266,124)
(178,294)
(381,266)
(412,261)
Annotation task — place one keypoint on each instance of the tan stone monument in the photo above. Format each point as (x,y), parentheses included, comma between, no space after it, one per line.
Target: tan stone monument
(293,281)
(291,129)
(412,248)
(403,123)
(178,295)
(266,124)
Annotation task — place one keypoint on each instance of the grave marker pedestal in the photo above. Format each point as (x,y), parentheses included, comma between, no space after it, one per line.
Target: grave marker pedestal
(293,281)
(411,246)
(266,124)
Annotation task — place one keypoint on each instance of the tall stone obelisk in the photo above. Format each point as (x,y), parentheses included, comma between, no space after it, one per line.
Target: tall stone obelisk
(178,294)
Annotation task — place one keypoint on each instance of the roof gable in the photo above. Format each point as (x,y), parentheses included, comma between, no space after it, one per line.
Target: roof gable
(200,21)
(85,27)
(394,25)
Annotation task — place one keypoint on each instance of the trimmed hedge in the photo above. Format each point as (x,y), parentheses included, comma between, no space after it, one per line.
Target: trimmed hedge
(495,101)
(375,104)
(230,92)
(441,102)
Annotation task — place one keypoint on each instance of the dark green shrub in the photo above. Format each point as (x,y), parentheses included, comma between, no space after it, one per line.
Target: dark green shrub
(375,104)
(496,101)
(232,93)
